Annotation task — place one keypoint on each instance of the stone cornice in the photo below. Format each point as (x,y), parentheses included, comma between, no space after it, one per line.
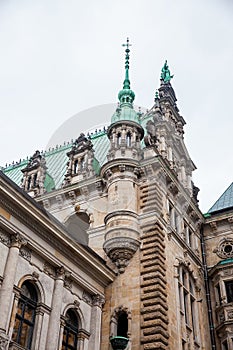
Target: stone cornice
(43,224)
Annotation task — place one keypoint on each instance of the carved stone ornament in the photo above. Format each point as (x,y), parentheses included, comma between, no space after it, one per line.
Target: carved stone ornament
(225,249)
(5,238)
(25,253)
(3,341)
(87,297)
(120,251)
(98,300)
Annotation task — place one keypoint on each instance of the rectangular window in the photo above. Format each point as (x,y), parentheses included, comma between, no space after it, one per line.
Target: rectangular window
(229,291)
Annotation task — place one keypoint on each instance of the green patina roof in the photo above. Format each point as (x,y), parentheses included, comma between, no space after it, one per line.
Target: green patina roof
(56,159)
(225,201)
(56,162)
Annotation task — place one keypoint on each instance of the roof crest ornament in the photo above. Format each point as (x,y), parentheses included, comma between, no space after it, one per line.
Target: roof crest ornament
(126,84)
(126,95)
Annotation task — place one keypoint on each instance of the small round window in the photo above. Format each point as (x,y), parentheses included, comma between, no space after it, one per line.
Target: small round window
(225,249)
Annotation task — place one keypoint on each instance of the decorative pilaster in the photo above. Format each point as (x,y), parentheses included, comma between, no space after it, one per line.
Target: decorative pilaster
(54,320)
(6,291)
(96,316)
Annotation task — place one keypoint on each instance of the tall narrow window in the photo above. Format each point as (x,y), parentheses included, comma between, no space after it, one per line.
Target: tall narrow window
(118,139)
(25,316)
(76,166)
(187,301)
(122,324)
(70,334)
(229,291)
(128,139)
(34,180)
(82,163)
(29,183)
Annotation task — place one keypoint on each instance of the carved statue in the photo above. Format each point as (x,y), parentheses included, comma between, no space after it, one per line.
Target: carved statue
(150,139)
(82,143)
(165,74)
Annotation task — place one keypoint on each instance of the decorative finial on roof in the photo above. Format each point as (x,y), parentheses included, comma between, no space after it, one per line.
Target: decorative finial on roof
(126,84)
(126,96)
(166,74)
(156,95)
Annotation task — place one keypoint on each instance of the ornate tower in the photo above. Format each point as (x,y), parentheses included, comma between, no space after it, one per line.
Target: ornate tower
(121,173)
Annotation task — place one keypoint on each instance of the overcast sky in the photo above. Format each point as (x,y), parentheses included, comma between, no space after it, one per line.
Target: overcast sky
(59,57)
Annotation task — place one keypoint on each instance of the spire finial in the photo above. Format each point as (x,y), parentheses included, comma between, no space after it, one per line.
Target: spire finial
(126,96)
(126,84)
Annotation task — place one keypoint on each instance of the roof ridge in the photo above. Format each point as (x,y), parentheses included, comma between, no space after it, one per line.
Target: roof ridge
(211,210)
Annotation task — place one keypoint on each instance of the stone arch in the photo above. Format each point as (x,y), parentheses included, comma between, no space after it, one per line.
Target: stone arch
(34,278)
(77,225)
(76,307)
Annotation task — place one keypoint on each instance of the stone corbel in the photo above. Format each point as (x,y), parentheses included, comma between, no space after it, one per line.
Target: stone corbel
(98,300)
(213,225)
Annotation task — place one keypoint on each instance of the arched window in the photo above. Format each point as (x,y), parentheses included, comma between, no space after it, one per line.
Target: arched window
(128,139)
(70,334)
(118,139)
(120,324)
(25,316)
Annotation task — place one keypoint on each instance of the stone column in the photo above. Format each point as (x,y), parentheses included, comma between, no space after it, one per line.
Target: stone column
(96,316)
(6,291)
(54,319)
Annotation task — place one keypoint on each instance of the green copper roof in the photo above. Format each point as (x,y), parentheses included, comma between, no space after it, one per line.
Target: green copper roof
(56,161)
(126,96)
(225,201)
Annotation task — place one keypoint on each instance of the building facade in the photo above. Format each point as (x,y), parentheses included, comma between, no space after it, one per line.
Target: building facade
(113,247)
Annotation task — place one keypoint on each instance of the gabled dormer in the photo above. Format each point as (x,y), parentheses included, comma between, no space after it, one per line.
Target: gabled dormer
(34,175)
(80,164)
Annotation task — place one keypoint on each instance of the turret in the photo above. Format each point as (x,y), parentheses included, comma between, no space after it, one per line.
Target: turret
(121,174)
(165,132)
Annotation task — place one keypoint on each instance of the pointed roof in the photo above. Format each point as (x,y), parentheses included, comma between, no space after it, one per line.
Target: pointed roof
(225,201)
(126,96)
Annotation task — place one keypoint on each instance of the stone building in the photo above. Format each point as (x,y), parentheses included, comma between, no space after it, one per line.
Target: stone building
(113,247)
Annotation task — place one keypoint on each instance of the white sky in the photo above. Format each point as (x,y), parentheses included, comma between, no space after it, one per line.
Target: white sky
(59,57)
